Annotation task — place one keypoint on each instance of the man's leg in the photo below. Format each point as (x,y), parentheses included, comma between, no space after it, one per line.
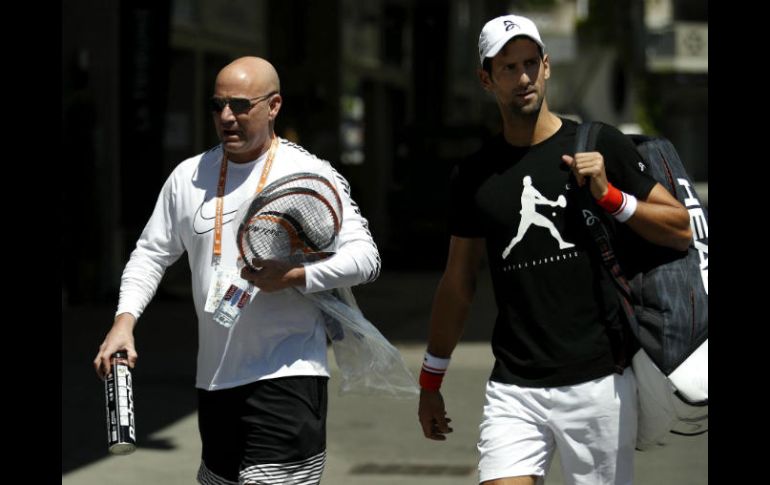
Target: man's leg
(285,427)
(265,432)
(595,429)
(516,445)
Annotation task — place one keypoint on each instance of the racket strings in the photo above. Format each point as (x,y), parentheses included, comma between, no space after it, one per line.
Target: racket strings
(305,180)
(312,182)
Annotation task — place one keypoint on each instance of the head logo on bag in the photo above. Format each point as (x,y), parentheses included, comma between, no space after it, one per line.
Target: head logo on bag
(700,229)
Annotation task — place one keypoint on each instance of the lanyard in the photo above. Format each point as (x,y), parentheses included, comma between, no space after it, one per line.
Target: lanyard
(217,256)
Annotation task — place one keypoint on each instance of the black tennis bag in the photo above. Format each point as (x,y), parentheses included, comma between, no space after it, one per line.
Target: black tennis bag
(664,294)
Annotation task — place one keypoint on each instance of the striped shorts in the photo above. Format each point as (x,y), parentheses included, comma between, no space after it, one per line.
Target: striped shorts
(266,432)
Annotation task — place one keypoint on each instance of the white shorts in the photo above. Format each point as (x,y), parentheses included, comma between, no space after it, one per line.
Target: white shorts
(593,424)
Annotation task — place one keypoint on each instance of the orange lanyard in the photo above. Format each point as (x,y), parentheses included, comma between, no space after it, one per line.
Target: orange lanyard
(221,195)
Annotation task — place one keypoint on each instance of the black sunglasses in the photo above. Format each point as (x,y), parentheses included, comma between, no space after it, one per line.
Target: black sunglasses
(237,105)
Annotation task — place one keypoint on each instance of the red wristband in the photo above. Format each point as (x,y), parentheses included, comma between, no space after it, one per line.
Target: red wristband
(430,381)
(612,200)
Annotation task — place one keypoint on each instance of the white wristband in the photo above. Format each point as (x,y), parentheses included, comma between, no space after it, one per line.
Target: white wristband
(435,364)
(626,209)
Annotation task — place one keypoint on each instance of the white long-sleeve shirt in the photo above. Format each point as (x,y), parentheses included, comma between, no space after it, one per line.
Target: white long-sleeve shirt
(280,333)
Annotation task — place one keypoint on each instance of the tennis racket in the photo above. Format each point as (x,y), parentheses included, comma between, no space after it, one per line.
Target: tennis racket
(296,219)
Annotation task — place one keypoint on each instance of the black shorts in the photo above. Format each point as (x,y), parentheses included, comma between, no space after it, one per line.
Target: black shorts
(274,424)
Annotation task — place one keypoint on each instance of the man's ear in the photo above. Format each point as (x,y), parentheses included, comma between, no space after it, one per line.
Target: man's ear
(275,105)
(485,79)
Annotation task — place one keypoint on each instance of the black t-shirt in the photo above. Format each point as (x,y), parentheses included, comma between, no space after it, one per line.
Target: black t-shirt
(551,294)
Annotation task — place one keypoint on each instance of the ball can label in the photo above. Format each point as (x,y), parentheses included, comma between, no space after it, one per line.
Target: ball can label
(119,396)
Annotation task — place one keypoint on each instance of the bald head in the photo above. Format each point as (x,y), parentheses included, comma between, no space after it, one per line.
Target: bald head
(246,131)
(254,75)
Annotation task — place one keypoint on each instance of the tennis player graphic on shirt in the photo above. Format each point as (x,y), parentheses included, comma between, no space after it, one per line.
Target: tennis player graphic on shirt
(530,197)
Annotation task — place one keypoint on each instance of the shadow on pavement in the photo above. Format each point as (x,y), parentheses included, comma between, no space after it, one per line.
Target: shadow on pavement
(398,303)
(163,379)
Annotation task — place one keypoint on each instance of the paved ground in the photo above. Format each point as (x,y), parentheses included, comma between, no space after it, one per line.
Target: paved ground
(370,440)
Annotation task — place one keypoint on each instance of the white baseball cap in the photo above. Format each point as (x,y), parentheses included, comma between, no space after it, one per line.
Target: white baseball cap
(498,31)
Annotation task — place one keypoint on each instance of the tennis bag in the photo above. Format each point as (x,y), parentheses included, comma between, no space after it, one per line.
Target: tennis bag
(664,294)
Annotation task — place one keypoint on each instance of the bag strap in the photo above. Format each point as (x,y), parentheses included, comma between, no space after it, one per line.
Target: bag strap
(587,134)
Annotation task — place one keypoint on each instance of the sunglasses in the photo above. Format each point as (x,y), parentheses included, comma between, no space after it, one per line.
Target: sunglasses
(237,105)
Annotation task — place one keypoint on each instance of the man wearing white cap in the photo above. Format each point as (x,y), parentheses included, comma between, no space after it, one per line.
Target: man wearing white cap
(557,382)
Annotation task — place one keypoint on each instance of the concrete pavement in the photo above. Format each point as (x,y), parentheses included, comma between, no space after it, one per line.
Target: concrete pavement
(370,440)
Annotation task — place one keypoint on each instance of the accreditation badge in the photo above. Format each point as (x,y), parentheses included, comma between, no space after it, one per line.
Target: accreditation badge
(220,282)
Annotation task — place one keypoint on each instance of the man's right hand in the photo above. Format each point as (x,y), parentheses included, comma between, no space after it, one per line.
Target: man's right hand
(120,337)
(432,414)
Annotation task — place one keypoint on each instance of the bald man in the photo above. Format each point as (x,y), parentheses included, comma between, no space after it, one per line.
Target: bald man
(262,384)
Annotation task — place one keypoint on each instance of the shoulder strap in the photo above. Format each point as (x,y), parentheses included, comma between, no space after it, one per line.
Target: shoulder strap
(587,134)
